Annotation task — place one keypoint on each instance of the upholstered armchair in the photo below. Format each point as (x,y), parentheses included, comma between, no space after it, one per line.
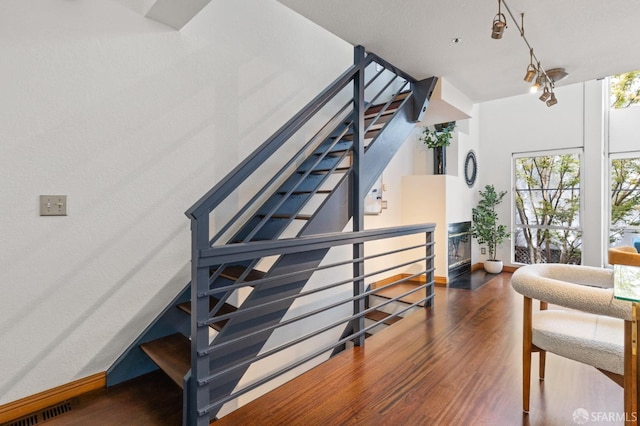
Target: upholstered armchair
(596,329)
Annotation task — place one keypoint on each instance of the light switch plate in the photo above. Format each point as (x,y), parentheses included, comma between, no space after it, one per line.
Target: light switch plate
(53,205)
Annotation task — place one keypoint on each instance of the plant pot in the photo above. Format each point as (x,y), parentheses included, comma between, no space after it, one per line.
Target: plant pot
(440,160)
(493,266)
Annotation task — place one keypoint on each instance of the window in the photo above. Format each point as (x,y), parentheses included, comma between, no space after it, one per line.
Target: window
(624,166)
(547,206)
(625,200)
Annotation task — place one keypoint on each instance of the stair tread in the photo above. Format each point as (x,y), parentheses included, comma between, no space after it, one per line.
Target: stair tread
(320,191)
(322,171)
(234,272)
(225,309)
(288,216)
(172,354)
(395,290)
(336,153)
(369,135)
(339,147)
(376,126)
(373,110)
(378,316)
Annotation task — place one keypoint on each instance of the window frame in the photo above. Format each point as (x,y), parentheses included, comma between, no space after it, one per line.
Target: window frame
(609,168)
(579,151)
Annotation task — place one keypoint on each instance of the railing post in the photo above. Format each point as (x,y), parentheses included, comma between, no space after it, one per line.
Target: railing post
(199,395)
(429,268)
(188,407)
(357,196)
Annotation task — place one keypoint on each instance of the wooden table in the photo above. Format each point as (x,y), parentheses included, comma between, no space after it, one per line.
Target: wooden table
(627,287)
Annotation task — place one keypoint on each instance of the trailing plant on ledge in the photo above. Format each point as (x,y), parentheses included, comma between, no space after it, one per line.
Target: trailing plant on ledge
(439,137)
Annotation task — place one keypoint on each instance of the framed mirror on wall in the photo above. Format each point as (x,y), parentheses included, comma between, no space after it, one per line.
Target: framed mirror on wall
(470,168)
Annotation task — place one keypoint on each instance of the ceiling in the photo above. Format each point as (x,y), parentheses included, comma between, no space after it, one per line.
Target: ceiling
(590,38)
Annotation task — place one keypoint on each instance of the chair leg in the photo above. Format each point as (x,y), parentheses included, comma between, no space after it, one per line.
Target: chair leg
(543,359)
(543,354)
(630,373)
(526,354)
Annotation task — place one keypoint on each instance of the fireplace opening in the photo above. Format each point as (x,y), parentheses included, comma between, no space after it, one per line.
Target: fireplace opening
(459,249)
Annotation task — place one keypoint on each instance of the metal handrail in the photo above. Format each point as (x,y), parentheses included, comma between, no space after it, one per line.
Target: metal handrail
(236,252)
(271,181)
(308,335)
(206,255)
(214,319)
(240,283)
(328,240)
(228,184)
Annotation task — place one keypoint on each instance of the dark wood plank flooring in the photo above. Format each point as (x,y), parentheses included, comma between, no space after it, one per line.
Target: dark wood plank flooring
(458,363)
(152,399)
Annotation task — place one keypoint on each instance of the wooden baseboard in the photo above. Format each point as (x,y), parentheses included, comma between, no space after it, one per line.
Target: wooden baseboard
(439,281)
(476,266)
(479,265)
(30,404)
(387,281)
(399,277)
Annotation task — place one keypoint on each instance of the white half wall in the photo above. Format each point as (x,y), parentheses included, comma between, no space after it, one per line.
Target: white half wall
(441,199)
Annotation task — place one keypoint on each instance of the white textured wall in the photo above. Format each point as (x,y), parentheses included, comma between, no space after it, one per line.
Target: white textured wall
(392,177)
(425,201)
(524,124)
(133,121)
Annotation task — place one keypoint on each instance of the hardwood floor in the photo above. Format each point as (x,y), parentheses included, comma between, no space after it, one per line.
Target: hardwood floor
(457,363)
(153,399)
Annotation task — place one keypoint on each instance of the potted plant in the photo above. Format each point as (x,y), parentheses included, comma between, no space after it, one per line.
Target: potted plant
(485,227)
(438,138)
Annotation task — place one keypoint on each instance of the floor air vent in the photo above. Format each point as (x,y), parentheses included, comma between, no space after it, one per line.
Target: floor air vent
(25,421)
(42,416)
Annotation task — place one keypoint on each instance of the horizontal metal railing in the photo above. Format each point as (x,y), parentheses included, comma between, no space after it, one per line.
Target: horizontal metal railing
(236,254)
(219,241)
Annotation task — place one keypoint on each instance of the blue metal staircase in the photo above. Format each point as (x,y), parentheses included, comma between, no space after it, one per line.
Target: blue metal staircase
(316,192)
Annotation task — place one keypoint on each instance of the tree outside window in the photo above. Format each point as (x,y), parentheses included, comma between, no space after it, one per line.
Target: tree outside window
(547,195)
(624,92)
(624,89)
(547,209)
(625,199)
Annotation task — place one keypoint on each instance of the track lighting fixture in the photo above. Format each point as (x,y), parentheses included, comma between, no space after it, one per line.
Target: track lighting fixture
(556,74)
(540,81)
(499,24)
(531,70)
(544,79)
(545,94)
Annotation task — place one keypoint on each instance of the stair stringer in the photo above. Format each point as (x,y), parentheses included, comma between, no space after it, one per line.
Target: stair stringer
(332,216)
(133,362)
